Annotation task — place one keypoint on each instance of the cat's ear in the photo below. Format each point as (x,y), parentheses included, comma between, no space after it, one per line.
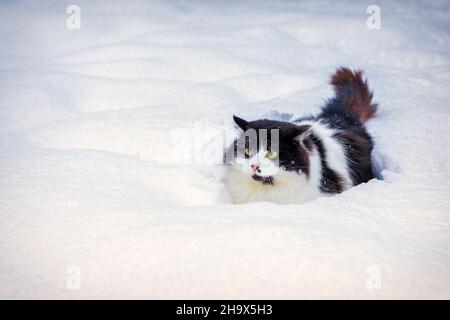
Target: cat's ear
(240,122)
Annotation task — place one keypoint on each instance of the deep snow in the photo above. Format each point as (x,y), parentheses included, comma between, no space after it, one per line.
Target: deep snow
(95,124)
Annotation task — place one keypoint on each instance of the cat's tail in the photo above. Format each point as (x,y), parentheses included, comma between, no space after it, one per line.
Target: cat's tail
(353,94)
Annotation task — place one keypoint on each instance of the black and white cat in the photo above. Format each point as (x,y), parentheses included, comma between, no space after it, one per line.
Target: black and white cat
(311,156)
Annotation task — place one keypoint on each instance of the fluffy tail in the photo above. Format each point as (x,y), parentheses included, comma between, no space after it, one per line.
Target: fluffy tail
(352,92)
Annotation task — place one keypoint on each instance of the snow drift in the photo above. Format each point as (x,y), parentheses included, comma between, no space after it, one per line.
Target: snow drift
(96,201)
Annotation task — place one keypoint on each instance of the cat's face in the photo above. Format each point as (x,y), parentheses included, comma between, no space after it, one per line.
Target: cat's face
(266,147)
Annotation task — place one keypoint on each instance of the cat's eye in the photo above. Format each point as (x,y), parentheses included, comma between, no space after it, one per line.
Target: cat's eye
(248,152)
(271,154)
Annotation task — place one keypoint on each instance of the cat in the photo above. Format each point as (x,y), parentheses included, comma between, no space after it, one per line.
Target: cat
(298,161)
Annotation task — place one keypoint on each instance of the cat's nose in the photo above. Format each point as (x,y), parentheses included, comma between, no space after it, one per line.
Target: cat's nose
(255,168)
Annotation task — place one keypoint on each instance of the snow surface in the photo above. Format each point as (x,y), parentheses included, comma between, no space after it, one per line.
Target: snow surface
(93,124)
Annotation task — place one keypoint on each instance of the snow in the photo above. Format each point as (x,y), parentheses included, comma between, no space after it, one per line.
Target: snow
(95,123)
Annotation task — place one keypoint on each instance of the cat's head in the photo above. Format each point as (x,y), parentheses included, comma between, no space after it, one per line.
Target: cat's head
(267,148)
